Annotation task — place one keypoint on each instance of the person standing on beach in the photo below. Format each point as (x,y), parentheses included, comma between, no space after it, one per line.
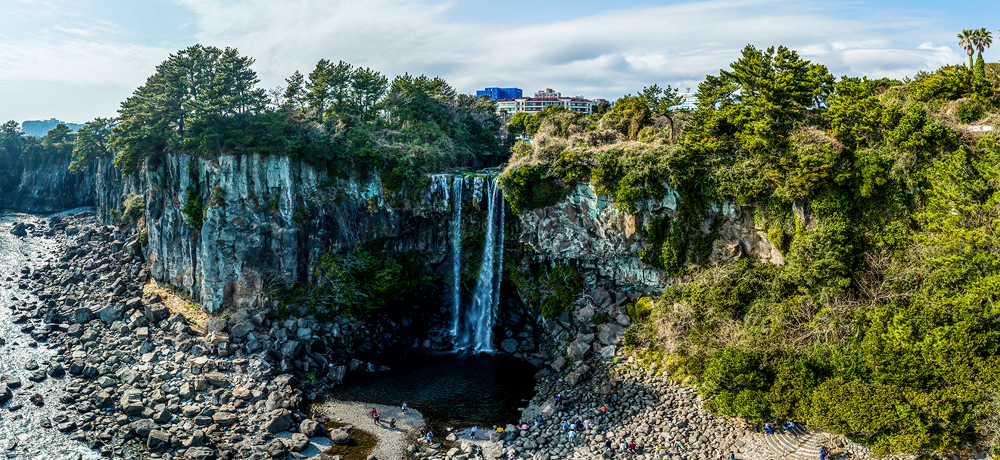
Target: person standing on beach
(404,406)
(472,432)
(572,434)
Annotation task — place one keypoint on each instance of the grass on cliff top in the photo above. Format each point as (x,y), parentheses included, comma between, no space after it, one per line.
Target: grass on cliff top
(196,317)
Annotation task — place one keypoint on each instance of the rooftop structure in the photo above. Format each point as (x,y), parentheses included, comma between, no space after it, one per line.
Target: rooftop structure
(500,93)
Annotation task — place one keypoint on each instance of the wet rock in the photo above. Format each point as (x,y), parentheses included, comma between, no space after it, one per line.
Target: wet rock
(509,345)
(340,436)
(5,393)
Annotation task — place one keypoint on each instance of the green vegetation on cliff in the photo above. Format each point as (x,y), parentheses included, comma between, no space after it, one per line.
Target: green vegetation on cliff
(19,151)
(883,323)
(204,101)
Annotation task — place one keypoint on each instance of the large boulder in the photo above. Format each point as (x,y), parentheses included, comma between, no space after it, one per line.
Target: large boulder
(577,350)
(131,402)
(340,436)
(5,393)
(577,375)
(584,314)
(292,349)
(241,329)
(278,420)
(611,333)
(110,314)
(159,441)
(298,442)
(143,427)
(276,449)
(549,408)
(199,453)
(80,315)
(225,418)
(509,345)
(311,428)
(156,312)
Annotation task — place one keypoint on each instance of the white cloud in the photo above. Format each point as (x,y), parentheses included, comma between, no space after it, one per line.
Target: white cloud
(602,55)
(55,60)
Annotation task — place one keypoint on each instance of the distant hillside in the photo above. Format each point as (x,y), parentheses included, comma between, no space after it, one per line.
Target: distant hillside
(40,128)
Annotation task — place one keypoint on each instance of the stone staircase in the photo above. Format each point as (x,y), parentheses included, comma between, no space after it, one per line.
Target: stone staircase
(796,444)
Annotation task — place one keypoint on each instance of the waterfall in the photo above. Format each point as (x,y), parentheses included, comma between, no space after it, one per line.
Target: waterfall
(456,255)
(476,331)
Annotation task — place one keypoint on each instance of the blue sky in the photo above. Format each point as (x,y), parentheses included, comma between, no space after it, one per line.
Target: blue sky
(77,59)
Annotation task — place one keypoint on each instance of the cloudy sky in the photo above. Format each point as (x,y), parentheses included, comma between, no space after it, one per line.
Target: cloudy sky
(77,59)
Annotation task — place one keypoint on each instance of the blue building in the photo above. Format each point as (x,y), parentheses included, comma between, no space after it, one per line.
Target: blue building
(500,93)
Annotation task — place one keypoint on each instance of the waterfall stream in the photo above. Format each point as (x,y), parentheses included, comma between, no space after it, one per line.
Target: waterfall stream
(473,326)
(456,253)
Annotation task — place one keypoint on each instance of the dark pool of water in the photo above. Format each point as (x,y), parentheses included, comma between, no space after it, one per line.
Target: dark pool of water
(448,389)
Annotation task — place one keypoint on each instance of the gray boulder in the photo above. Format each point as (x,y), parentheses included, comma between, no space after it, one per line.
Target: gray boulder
(241,329)
(292,349)
(276,449)
(577,350)
(299,442)
(159,441)
(5,393)
(110,314)
(311,428)
(278,420)
(611,334)
(80,315)
(143,427)
(340,436)
(577,375)
(156,312)
(199,453)
(509,345)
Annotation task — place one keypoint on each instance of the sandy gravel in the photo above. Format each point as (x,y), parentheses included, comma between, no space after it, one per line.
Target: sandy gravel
(392,443)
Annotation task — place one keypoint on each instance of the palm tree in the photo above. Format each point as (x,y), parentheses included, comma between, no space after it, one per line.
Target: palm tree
(967,39)
(984,39)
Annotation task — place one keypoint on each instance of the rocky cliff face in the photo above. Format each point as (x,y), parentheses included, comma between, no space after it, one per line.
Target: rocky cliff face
(588,229)
(53,188)
(271,219)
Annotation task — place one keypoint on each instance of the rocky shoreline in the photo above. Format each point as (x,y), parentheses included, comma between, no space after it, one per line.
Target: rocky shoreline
(141,381)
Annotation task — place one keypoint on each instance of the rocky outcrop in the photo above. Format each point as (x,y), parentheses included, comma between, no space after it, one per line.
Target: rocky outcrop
(53,188)
(111,188)
(590,230)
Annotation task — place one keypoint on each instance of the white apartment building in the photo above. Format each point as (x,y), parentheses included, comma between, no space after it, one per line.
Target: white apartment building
(541,99)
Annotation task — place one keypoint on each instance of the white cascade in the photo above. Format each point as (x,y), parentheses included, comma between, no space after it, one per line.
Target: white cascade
(476,332)
(456,254)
